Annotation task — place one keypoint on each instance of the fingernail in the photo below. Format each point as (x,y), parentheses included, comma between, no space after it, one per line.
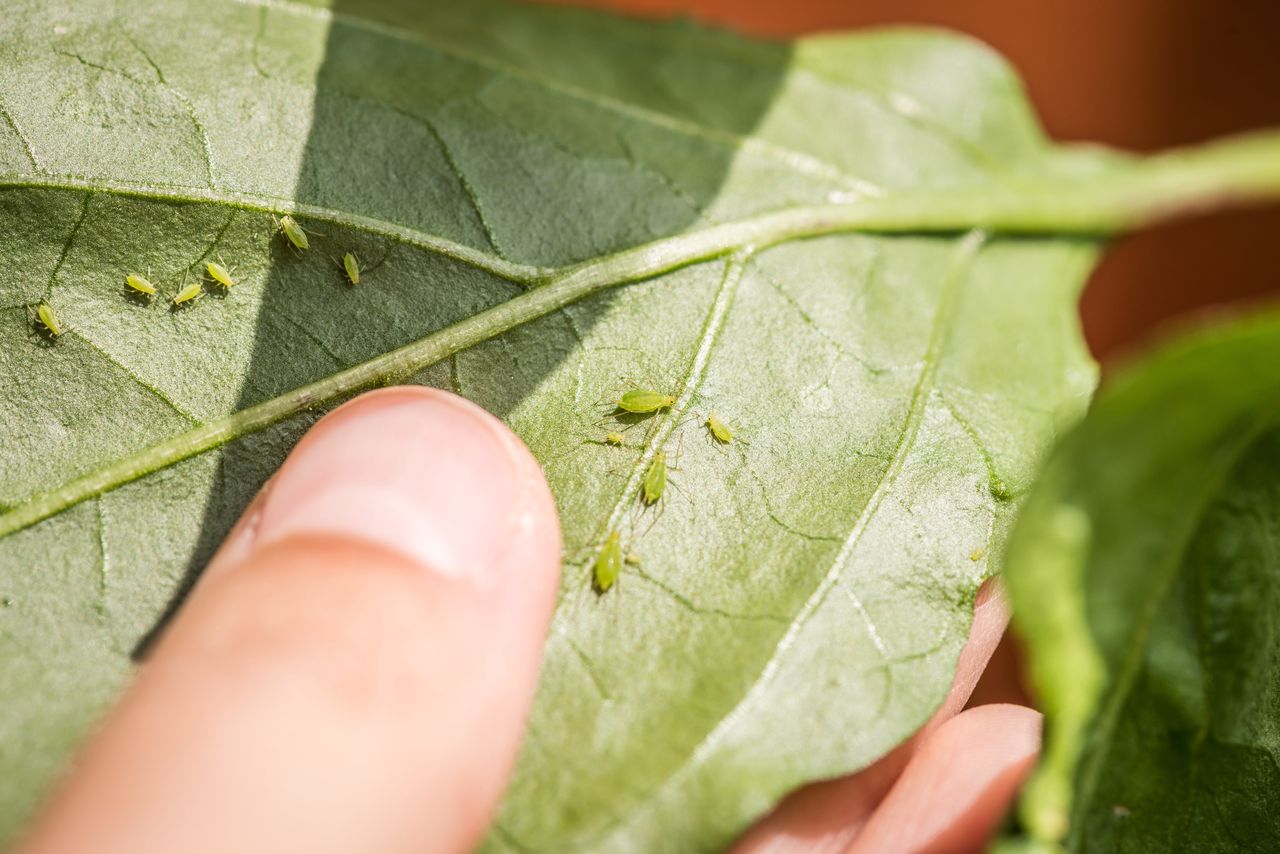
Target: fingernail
(412,470)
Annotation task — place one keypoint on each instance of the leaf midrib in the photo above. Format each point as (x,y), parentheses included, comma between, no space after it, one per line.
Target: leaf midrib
(522,274)
(961,262)
(1237,171)
(694,376)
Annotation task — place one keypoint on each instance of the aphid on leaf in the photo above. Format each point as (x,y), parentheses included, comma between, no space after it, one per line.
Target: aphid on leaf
(632,559)
(638,400)
(977,553)
(352,268)
(614,438)
(188,294)
(138,285)
(48,319)
(293,232)
(220,275)
(655,479)
(609,562)
(719,429)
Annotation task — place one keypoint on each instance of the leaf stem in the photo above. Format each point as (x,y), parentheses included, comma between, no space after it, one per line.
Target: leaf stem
(1129,195)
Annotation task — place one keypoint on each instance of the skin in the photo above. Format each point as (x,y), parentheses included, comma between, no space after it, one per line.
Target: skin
(354,668)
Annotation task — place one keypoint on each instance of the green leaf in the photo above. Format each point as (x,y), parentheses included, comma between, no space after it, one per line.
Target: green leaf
(1144,572)
(816,242)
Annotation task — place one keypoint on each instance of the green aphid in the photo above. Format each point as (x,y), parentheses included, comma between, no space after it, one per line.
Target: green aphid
(219,274)
(609,562)
(352,268)
(293,232)
(139,285)
(655,479)
(190,293)
(719,429)
(49,320)
(640,400)
(615,438)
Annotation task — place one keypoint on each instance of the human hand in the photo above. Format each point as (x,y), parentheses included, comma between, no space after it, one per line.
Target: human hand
(353,671)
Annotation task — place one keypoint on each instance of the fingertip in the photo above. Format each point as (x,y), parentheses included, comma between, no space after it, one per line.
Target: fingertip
(990,620)
(355,672)
(958,785)
(415,470)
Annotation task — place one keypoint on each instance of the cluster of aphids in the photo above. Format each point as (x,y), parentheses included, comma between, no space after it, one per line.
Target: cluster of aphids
(653,485)
(219,276)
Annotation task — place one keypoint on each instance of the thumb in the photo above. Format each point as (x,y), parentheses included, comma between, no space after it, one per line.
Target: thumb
(353,672)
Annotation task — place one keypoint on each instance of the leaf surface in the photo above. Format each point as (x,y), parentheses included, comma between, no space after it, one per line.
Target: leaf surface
(800,600)
(1144,573)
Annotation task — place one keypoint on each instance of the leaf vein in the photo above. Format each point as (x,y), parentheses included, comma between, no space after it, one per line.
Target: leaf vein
(66,245)
(155,391)
(312,337)
(693,379)
(1161,187)
(902,106)
(202,134)
(446,152)
(966,250)
(519,273)
(703,610)
(22,138)
(795,160)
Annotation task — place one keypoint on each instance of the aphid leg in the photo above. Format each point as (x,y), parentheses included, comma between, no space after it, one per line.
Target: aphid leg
(37,330)
(655,512)
(220,277)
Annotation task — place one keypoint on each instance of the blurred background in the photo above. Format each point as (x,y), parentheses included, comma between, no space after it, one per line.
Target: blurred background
(1138,74)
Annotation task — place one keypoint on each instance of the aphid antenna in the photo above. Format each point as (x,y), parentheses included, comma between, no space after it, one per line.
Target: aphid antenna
(658,509)
(626,420)
(673,457)
(386,253)
(675,484)
(604,442)
(688,416)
